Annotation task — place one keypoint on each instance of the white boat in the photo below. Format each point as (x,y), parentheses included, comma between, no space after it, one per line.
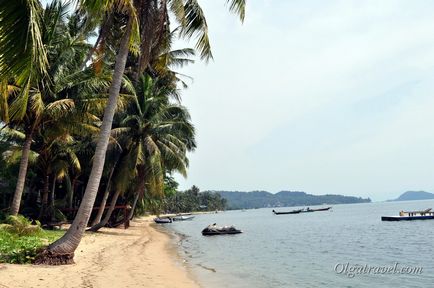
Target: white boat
(183,218)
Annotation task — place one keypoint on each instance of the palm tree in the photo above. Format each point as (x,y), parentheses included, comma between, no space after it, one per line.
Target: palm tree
(57,159)
(23,55)
(41,96)
(191,17)
(156,135)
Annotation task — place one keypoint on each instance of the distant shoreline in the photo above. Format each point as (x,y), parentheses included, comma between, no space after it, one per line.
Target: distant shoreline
(263,199)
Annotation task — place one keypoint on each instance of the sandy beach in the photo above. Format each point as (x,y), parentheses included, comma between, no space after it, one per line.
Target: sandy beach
(140,256)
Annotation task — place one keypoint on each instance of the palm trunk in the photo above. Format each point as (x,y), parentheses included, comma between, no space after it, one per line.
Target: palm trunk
(52,210)
(140,189)
(108,214)
(15,206)
(104,199)
(53,190)
(69,193)
(44,197)
(136,198)
(71,196)
(62,251)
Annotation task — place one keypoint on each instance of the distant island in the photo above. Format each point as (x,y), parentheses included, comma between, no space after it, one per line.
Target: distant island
(262,199)
(414,195)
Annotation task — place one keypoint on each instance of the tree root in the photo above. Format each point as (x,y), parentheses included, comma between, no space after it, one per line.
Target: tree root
(47,257)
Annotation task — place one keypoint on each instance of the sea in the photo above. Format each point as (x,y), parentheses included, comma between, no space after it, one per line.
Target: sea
(348,246)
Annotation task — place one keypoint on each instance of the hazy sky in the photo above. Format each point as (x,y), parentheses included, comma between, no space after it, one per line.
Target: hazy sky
(316,96)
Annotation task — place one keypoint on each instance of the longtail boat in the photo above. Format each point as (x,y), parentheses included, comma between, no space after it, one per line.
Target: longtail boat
(182,217)
(315,210)
(287,212)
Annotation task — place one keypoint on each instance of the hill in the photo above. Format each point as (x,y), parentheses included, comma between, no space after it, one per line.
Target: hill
(261,199)
(414,195)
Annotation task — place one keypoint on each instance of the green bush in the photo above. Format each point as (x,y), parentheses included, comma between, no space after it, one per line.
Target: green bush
(20,241)
(20,226)
(18,250)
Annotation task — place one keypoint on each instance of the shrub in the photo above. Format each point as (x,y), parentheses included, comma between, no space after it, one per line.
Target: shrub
(20,226)
(23,249)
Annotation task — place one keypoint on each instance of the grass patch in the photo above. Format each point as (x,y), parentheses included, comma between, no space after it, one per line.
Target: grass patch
(19,243)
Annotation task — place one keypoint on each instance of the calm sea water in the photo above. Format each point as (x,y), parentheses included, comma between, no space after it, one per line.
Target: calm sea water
(303,250)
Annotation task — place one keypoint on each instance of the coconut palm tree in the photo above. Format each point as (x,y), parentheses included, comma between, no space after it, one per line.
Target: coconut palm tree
(44,94)
(191,17)
(156,135)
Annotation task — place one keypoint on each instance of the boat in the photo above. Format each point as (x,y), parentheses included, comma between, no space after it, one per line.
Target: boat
(287,212)
(164,220)
(410,215)
(307,210)
(182,217)
(213,229)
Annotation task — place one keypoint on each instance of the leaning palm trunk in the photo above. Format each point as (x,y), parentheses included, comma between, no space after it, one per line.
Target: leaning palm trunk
(108,214)
(62,251)
(140,190)
(16,202)
(136,198)
(104,199)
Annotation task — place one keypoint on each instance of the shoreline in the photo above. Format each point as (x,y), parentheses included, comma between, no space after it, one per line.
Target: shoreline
(141,256)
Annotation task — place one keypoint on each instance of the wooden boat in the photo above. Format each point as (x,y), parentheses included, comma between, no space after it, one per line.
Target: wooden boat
(213,229)
(287,212)
(183,218)
(410,215)
(165,220)
(315,210)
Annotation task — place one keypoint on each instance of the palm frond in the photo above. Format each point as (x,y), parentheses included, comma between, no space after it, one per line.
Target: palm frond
(10,134)
(18,108)
(21,45)
(195,25)
(238,7)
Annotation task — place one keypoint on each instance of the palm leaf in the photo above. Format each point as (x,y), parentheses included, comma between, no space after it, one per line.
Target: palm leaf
(21,45)
(195,25)
(238,7)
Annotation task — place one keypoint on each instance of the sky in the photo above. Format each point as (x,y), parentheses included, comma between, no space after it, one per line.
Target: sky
(326,97)
(316,96)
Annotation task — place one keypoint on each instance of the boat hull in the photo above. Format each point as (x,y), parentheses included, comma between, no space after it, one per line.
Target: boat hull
(213,233)
(182,218)
(321,209)
(162,220)
(406,218)
(289,212)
